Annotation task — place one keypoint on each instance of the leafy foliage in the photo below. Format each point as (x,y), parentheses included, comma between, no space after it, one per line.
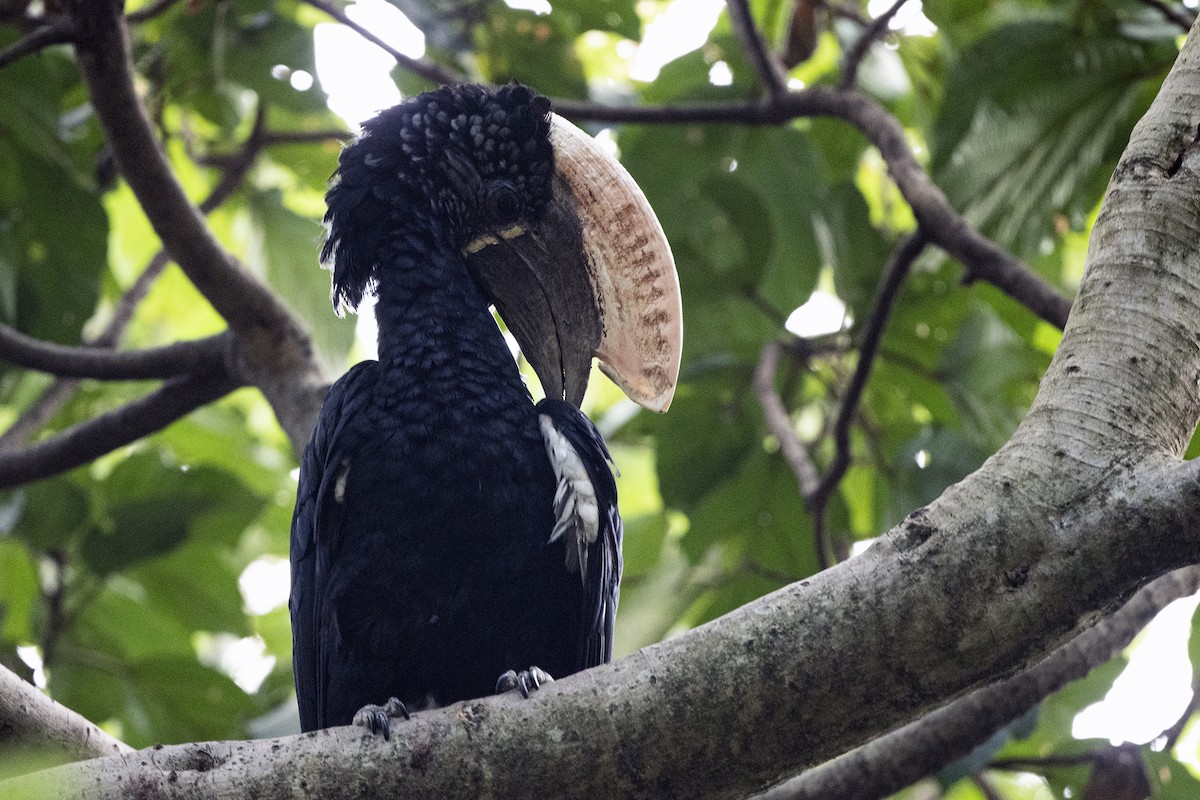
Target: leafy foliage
(124,575)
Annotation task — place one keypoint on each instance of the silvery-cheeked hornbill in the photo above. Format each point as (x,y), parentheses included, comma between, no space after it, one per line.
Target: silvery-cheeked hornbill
(447,531)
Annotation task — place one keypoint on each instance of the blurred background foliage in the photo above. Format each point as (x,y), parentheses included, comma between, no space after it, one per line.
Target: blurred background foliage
(148,590)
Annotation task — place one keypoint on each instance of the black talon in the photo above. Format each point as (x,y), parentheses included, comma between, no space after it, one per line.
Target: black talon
(377,719)
(525,680)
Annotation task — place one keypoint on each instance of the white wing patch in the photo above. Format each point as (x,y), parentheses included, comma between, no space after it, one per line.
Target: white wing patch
(576,510)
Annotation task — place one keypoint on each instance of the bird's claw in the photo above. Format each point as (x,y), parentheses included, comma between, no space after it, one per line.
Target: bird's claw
(525,680)
(377,719)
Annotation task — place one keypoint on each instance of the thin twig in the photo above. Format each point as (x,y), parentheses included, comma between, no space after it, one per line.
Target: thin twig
(57,32)
(103,363)
(868,36)
(426,69)
(986,787)
(769,70)
(38,413)
(271,139)
(1173,15)
(872,335)
(89,440)
(816,489)
(1087,757)
(780,423)
(790,446)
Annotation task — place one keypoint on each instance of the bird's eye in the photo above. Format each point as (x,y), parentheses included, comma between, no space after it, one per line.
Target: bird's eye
(503,203)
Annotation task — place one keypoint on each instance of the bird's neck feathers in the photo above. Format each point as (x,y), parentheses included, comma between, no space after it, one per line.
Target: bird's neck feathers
(432,316)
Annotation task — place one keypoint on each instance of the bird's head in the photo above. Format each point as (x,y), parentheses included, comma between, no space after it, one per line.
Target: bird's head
(550,226)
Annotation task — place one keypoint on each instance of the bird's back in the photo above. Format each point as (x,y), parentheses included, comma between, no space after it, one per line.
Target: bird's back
(422,562)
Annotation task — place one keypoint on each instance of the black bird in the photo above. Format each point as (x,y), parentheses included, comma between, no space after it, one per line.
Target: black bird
(447,531)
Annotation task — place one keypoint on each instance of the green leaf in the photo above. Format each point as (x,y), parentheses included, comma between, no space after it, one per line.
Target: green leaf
(936,458)
(758,507)
(52,513)
(215,51)
(197,586)
(643,543)
(34,298)
(19,591)
(991,376)
(119,624)
(853,248)
(204,502)
(618,16)
(1170,779)
(286,246)
(1033,114)
(709,431)
(156,700)
(536,50)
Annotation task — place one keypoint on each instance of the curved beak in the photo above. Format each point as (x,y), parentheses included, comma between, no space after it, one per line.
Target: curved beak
(595,276)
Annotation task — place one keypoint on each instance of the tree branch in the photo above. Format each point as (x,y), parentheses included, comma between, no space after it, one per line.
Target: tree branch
(58,31)
(780,423)
(276,352)
(885,300)
(29,720)
(434,73)
(944,226)
(769,70)
(1173,15)
(182,358)
(866,38)
(921,748)
(89,440)
(815,489)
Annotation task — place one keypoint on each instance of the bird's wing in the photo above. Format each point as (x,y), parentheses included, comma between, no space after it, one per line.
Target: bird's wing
(316,531)
(586,518)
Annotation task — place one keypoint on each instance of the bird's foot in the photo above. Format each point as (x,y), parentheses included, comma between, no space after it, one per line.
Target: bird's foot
(525,680)
(377,719)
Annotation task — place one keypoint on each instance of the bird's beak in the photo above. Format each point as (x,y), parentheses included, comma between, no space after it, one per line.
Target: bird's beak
(595,276)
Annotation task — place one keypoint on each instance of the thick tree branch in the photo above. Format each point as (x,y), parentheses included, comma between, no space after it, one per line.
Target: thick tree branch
(277,353)
(89,440)
(921,748)
(182,358)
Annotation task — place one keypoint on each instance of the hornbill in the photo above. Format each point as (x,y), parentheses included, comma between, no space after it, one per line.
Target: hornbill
(448,532)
